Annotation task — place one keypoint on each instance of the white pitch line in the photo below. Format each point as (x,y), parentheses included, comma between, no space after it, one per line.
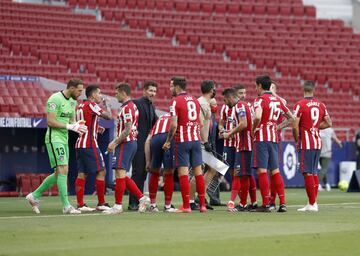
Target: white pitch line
(339,204)
(126,213)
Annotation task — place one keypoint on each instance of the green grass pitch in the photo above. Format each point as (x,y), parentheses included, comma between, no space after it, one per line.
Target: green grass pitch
(334,230)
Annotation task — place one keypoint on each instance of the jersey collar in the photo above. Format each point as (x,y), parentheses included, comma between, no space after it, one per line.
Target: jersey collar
(183,93)
(126,102)
(309,98)
(64,95)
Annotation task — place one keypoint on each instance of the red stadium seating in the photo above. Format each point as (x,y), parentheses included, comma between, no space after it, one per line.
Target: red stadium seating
(229,41)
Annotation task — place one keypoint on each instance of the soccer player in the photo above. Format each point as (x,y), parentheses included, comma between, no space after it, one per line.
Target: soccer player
(268,109)
(155,157)
(311,116)
(88,155)
(208,93)
(241,93)
(273,89)
(125,144)
(185,125)
(242,131)
(226,124)
(60,109)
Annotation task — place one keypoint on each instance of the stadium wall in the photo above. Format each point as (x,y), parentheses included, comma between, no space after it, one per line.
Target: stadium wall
(22,150)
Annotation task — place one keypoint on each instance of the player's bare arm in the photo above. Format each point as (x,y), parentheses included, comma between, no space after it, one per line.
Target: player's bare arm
(336,139)
(326,122)
(241,126)
(295,129)
(121,138)
(148,152)
(52,122)
(173,127)
(257,118)
(290,118)
(107,114)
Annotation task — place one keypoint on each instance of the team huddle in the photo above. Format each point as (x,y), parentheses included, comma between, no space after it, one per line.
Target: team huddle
(251,134)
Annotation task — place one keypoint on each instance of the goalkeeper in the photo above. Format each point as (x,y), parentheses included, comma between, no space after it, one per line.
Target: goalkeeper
(60,109)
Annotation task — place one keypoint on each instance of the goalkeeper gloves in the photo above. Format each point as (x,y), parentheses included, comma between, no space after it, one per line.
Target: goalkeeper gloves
(78,127)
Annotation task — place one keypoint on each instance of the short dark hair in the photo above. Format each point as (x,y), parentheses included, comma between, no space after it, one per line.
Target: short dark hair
(74,82)
(90,89)
(309,86)
(265,81)
(149,83)
(207,86)
(124,87)
(180,81)
(239,87)
(229,92)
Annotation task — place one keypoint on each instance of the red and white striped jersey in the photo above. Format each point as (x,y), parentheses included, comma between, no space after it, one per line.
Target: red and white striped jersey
(89,112)
(162,125)
(311,113)
(244,138)
(272,107)
(227,115)
(187,110)
(128,113)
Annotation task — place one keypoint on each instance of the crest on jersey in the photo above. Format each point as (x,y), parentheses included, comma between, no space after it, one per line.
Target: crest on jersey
(290,161)
(52,105)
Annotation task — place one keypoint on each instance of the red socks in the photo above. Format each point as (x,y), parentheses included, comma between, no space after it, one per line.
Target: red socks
(310,188)
(316,182)
(264,187)
(100,191)
(235,187)
(80,188)
(133,189)
(200,189)
(185,191)
(245,184)
(168,187)
(153,186)
(279,187)
(120,185)
(272,189)
(252,189)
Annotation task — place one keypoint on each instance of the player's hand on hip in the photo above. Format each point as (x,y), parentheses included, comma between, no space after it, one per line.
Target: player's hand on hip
(100,130)
(112,145)
(166,146)
(78,127)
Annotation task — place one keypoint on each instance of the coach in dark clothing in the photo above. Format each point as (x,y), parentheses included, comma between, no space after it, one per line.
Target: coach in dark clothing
(147,119)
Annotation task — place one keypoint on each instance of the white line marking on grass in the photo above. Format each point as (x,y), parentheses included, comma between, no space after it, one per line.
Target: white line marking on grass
(338,204)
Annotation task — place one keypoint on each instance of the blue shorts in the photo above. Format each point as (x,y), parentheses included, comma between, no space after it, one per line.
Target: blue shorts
(265,155)
(229,156)
(158,155)
(124,154)
(243,163)
(89,160)
(309,160)
(188,154)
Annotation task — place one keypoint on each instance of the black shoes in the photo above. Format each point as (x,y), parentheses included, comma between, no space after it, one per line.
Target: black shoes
(282,208)
(194,206)
(133,207)
(261,209)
